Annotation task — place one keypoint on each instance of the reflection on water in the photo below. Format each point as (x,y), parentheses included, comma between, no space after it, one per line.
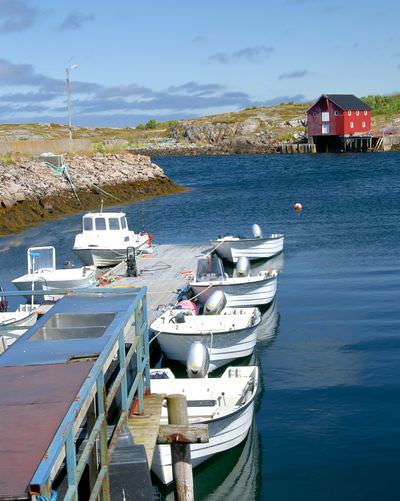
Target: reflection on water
(228,475)
(269,326)
(274,263)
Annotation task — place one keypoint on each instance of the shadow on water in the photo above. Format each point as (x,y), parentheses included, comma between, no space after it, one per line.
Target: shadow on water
(228,475)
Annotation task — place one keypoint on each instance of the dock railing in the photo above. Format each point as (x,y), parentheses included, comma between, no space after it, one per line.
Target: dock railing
(88,433)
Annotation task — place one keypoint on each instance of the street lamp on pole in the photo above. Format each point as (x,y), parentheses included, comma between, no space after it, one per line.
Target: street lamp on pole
(68,80)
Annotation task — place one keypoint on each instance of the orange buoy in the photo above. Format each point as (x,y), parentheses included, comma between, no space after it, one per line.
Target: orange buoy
(298,207)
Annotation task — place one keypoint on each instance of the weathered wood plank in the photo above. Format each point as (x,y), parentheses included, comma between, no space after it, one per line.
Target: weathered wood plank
(145,427)
(184,434)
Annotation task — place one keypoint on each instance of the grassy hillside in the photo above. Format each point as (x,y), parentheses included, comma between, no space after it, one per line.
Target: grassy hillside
(277,123)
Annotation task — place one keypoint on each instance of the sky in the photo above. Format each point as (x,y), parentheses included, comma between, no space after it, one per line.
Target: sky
(170,59)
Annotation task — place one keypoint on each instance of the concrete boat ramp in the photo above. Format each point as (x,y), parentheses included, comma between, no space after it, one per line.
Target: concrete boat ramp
(163,273)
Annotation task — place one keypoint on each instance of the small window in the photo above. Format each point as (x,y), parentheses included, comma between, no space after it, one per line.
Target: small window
(113,223)
(357,113)
(87,224)
(365,113)
(314,113)
(349,113)
(363,124)
(337,113)
(351,125)
(123,223)
(100,223)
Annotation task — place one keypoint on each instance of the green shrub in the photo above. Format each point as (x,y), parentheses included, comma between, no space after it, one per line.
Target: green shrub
(151,124)
(383,105)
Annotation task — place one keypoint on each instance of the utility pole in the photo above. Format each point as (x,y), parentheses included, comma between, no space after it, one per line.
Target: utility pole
(68,80)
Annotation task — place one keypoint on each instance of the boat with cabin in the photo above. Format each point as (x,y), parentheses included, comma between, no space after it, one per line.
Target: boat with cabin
(225,404)
(232,248)
(43,275)
(105,239)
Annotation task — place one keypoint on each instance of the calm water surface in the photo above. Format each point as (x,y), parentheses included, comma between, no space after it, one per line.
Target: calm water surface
(327,425)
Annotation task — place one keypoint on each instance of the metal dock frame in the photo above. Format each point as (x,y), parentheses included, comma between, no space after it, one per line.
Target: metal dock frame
(62,450)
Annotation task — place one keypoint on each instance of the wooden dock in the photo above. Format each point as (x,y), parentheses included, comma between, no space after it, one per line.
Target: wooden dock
(145,427)
(163,273)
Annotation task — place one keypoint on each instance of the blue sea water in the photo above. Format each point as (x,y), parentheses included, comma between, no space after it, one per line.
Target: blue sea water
(327,424)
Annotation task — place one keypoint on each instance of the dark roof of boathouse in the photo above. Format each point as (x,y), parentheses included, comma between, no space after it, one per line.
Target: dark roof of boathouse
(345,101)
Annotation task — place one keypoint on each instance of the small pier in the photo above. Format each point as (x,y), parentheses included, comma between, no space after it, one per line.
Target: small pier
(297,148)
(75,387)
(163,273)
(68,385)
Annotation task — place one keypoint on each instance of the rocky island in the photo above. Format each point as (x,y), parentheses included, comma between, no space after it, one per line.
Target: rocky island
(32,191)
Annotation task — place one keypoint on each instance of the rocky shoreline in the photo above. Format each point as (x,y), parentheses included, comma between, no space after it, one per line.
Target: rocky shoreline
(32,191)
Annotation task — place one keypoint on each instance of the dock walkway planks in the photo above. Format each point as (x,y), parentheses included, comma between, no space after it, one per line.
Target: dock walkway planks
(144,427)
(163,273)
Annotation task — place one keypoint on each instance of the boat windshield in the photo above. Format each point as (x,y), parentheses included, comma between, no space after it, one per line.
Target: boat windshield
(100,223)
(113,223)
(209,268)
(87,224)
(123,223)
(41,258)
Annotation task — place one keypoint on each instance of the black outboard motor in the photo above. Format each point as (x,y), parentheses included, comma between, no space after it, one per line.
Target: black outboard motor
(131,266)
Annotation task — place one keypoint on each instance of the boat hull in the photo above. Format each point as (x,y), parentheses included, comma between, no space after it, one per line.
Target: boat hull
(224,434)
(251,248)
(102,257)
(13,325)
(246,293)
(49,281)
(223,347)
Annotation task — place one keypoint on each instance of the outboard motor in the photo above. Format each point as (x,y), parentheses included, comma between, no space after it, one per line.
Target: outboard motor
(131,266)
(198,360)
(257,233)
(215,303)
(243,267)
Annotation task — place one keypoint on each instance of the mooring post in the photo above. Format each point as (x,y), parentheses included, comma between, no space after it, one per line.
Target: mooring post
(180,452)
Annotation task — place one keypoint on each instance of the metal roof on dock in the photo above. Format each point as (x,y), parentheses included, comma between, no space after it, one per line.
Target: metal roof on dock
(34,400)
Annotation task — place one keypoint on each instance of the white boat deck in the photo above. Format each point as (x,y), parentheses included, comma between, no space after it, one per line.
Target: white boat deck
(163,272)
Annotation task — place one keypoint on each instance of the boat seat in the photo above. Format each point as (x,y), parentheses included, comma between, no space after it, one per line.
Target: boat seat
(198,403)
(201,403)
(208,277)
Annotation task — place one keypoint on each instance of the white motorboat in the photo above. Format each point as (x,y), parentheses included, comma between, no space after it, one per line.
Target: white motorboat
(228,335)
(15,323)
(226,404)
(241,289)
(232,247)
(43,274)
(106,237)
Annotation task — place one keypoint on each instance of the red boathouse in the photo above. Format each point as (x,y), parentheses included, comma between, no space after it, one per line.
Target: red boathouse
(339,122)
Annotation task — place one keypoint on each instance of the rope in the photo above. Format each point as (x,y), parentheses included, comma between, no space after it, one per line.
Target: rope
(215,248)
(64,171)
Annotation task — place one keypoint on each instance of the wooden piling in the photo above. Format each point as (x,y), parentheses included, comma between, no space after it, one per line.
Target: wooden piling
(180,452)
